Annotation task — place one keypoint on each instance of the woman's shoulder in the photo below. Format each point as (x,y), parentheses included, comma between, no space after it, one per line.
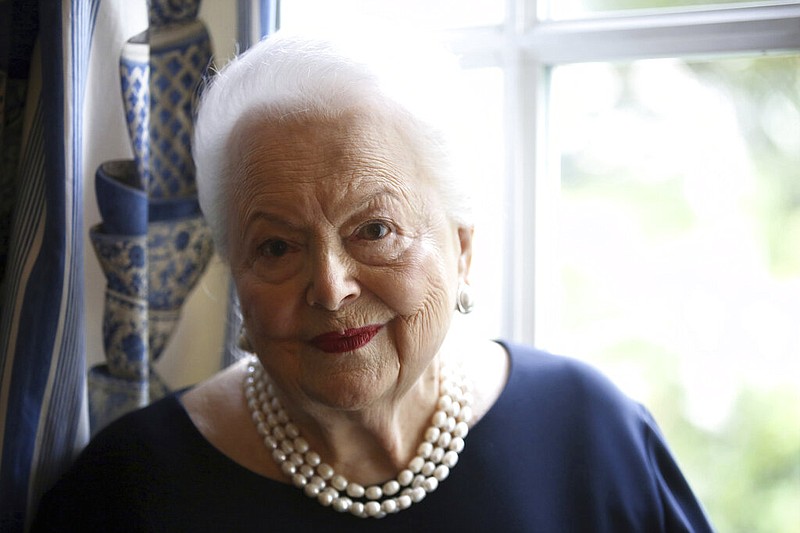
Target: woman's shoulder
(543,384)
(157,424)
(575,422)
(207,421)
(137,443)
(541,370)
(120,471)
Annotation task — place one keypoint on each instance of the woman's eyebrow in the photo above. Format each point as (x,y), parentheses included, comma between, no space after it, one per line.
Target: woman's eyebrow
(272,218)
(377,194)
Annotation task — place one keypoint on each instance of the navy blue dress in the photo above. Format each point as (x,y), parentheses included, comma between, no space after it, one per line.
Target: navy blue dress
(562,450)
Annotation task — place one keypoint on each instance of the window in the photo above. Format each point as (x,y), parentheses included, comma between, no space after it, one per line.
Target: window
(639,208)
(564,9)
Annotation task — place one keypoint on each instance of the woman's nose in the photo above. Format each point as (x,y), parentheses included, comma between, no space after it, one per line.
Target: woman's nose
(333,284)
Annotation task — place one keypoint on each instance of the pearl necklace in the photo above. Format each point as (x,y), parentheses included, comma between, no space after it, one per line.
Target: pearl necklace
(436,455)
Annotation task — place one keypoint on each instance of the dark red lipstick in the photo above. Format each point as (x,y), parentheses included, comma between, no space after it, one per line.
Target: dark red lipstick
(346,341)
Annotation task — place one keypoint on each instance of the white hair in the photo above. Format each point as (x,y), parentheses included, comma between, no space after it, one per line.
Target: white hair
(287,75)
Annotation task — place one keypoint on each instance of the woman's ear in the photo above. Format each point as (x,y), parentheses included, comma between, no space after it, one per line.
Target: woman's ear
(465,251)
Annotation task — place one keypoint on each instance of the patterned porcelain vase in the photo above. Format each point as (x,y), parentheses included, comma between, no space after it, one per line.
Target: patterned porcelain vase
(178,252)
(125,319)
(153,243)
(134,74)
(122,383)
(179,243)
(120,243)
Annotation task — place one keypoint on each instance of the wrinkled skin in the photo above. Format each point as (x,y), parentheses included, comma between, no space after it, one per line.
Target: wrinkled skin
(333,226)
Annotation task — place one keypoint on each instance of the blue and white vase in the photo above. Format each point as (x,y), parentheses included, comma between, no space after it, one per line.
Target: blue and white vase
(124,263)
(134,73)
(179,251)
(153,243)
(122,201)
(179,56)
(168,12)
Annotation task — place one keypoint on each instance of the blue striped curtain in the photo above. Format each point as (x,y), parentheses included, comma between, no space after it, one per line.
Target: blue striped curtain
(43,368)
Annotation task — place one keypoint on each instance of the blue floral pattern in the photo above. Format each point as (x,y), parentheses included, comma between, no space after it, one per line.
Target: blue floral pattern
(125,336)
(162,324)
(123,260)
(178,253)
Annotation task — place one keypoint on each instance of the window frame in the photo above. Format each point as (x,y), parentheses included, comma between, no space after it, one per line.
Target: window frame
(527,47)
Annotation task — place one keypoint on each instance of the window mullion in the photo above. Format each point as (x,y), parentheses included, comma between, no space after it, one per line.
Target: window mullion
(524,113)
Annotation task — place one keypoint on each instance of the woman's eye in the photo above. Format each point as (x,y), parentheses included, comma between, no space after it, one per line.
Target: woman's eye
(274,248)
(373,231)
(276,260)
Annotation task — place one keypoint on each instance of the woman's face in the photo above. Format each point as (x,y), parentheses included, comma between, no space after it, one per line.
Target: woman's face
(345,262)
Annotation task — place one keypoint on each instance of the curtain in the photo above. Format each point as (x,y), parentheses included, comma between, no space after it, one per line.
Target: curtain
(41,378)
(68,142)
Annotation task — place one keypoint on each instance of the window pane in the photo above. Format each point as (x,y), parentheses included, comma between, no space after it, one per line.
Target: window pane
(679,261)
(428,14)
(565,9)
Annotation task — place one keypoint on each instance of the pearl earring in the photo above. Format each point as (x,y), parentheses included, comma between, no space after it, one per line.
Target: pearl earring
(464,299)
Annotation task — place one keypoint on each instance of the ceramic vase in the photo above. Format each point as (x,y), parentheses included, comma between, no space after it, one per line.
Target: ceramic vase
(153,244)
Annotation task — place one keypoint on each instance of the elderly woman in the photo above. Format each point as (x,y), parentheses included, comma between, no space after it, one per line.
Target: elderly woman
(332,200)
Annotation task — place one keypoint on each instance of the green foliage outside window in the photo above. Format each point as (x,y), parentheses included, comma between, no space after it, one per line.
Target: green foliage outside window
(700,317)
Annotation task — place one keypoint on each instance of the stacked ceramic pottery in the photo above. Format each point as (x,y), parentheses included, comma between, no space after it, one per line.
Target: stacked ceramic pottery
(152,244)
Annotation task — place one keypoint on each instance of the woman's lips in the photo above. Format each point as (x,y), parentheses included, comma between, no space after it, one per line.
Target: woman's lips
(347,341)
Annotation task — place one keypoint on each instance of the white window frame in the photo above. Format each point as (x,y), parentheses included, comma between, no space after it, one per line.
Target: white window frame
(526,47)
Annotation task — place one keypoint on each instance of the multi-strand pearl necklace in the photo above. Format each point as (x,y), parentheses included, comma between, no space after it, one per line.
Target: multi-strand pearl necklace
(436,455)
